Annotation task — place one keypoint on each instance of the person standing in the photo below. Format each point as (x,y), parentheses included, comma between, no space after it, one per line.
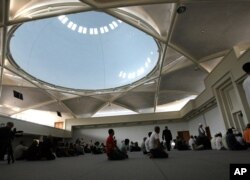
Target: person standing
(6,137)
(201,131)
(167,136)
(246,83)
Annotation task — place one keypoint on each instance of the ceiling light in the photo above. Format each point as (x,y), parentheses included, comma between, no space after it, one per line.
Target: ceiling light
(61,17)
(181,9)
(106,29)
(95,31)
(91,31)
(111,26)
(115,24)
(102,30)
(70,24)
(84,31)
(65,20)
(74,27)
(80,29)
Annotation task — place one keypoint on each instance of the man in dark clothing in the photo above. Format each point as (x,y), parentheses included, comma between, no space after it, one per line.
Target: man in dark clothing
(6,136)
(232,143)
(167,136)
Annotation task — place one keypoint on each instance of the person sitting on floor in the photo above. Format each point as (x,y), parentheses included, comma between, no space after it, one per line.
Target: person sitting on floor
(232,143)
(32,153)
(240,139)
(246,135)
(112,150)
(181,144)
(96,148)
(46,149)
(218,142)
(143,146)
(87,148)
(147,143)
(156,149)
(135,147)
(19,151)
(191,143)
(125,146)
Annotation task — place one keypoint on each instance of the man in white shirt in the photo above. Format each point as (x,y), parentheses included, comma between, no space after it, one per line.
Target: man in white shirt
(156,149)
(218,142)
(147,143)
(201,131)
(191,143)
(246,83)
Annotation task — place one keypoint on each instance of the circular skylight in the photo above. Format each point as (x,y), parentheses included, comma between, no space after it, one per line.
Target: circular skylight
(89,50)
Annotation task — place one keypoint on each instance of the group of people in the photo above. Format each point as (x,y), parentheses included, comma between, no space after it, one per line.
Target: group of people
(151,145)
(232,140)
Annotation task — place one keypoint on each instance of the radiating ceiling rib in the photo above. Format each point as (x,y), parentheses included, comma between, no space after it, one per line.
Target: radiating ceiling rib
(34,106)
(123,90)
(179,91)
(116,13)
(126,106)
(214,56)
(171,27)
(99,108)
(70,11)
(131,88)
(42,88)
(125,3)
(137,24)
(4,40)
(188,56)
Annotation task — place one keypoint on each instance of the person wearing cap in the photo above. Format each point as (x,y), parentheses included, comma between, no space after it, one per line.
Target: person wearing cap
(246,83)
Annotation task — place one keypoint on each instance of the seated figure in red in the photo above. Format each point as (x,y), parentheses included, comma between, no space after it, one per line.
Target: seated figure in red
(113,152)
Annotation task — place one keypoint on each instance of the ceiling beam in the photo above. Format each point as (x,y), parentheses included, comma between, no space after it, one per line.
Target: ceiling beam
(171,28)
(34,106)
(5,11)
(195,61)
(136,23)
(124,3)
(77,9)
(127,107)
(39,86)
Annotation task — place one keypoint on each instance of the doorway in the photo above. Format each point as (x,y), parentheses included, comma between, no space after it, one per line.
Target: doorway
(185,135)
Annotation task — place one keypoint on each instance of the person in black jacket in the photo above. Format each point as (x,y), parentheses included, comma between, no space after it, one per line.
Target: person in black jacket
(6,137)
(167,136)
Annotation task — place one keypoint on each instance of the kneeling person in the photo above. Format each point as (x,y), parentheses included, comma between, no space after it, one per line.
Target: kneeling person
(112,150)
(155,146)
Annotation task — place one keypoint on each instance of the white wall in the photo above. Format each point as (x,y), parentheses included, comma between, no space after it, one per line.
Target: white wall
(35,129)
(134,133)
(211,118)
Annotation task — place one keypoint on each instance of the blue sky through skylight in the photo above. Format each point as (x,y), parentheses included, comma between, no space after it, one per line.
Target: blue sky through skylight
(89,50)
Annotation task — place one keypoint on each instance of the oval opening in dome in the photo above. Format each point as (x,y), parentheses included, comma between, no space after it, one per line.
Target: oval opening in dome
(88,51)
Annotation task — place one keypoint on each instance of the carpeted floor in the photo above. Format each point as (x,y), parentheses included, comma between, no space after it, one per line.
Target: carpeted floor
(181,165)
